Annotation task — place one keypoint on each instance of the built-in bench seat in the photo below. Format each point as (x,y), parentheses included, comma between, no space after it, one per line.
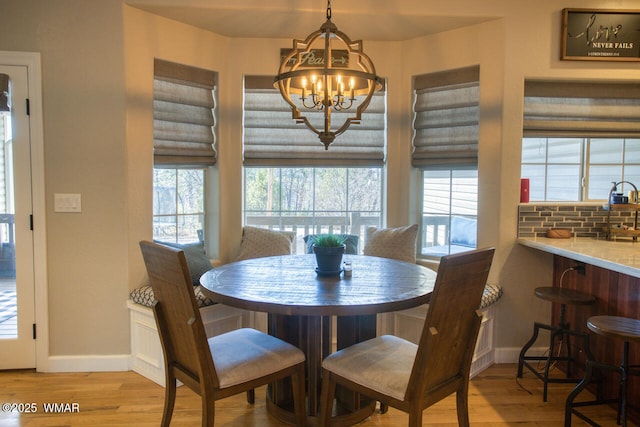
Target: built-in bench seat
(146,350)
(408,325)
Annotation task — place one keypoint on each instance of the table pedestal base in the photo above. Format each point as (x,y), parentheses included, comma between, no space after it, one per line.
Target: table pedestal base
(340,417)
(312,334)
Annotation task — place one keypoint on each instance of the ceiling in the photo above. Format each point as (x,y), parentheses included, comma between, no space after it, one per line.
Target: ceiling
(389,20)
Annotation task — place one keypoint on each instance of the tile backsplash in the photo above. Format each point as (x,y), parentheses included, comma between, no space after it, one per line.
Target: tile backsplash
(583,220)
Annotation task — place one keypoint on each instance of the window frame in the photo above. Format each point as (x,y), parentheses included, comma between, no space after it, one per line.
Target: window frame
(424,230)
(202,214)
(584,179)
(314,228)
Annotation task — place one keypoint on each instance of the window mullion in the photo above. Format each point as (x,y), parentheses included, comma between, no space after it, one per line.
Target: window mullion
(584,173)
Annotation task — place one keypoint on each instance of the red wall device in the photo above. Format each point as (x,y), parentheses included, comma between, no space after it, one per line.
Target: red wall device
(524,190)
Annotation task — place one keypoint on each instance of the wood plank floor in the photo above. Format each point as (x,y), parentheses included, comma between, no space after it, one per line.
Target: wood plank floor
(128,399)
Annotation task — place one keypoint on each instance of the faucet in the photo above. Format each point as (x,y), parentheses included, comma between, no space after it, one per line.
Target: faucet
(614,189)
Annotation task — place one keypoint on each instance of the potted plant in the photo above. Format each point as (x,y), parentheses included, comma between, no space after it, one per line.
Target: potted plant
(329,249)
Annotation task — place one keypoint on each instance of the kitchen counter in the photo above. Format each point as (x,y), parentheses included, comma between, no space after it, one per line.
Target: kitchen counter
(622,255)
(612,276)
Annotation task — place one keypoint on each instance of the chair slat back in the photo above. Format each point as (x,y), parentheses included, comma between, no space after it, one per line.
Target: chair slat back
(450,330)
(182,332)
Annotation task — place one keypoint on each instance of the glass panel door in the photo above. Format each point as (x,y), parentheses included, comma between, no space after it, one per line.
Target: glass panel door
(8,297)
(17,313)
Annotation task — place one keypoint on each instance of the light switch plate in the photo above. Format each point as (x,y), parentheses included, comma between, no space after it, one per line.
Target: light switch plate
(67,202)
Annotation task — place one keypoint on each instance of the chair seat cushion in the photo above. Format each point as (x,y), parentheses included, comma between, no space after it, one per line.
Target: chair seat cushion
(245,354)
(382,364)
(491,294)
(144,296)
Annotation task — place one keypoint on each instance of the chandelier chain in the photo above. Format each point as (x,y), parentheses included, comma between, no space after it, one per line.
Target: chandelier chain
(328,9)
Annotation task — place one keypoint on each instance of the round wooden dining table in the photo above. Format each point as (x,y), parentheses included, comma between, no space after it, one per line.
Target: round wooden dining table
(300,302)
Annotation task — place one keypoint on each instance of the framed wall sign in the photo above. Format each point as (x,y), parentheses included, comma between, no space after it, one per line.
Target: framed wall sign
(600,35)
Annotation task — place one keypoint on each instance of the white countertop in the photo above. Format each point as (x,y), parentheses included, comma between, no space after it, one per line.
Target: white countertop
(622,255)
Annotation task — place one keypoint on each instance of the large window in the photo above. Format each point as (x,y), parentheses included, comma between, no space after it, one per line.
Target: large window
(579,137)
(445,148)
(579,169)
(313,200)
(292,183)
(183,149)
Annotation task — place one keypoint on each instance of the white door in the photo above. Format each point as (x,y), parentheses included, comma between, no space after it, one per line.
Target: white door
(17,340)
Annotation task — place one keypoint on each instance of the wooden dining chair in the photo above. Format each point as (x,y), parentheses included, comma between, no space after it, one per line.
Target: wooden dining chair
(413,377)
(218,367)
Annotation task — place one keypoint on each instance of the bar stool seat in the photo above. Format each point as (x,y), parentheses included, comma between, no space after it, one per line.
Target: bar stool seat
(625,329)
(562,332)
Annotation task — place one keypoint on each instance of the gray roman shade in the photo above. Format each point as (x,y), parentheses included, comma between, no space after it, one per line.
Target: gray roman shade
(4,93)
(183,119)
(446,115)
(272,138)
(581,109)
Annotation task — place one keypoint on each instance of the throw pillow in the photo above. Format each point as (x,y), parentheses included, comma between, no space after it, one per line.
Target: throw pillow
(196,256)
(351,243)
(260,242)
(395,243)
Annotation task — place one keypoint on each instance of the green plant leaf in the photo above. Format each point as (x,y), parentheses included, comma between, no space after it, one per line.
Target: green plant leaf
(328,240)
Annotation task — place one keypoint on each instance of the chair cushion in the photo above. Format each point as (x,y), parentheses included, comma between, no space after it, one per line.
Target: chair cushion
(491,294)
(144,296)
(395,243)
(196,256)
(350,240)
(260,242)
(245,354)
(382,364)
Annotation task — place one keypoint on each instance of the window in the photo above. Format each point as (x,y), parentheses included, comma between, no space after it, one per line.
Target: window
(178,205)
(313,200)
(292,183)
(445,148)
(183,150)
(449,211)
(579,137)
(578,169)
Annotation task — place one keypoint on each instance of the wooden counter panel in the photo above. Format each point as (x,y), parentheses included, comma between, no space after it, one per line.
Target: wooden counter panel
(616,295)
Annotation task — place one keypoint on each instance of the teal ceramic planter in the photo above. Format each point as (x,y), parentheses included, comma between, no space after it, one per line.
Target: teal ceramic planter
(329,259)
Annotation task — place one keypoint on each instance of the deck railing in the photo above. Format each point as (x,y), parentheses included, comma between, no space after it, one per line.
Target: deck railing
(434,228)
(355,223)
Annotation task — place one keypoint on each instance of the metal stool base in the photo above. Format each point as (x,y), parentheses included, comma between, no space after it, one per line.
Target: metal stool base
(562,333)
(624,370)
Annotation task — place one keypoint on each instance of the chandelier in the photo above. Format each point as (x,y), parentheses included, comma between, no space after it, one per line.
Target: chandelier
(318,76)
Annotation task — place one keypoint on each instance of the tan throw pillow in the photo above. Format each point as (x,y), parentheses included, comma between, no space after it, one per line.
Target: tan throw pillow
(395,243)
(260,242)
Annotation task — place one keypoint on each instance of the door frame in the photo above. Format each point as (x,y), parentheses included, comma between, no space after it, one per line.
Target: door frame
(31,60)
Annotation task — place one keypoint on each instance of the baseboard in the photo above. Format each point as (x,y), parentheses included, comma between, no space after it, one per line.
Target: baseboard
(512,354)
(122,362)
(88,363)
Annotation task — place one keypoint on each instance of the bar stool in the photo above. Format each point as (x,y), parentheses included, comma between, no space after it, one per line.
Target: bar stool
(562,332)
(623,328)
